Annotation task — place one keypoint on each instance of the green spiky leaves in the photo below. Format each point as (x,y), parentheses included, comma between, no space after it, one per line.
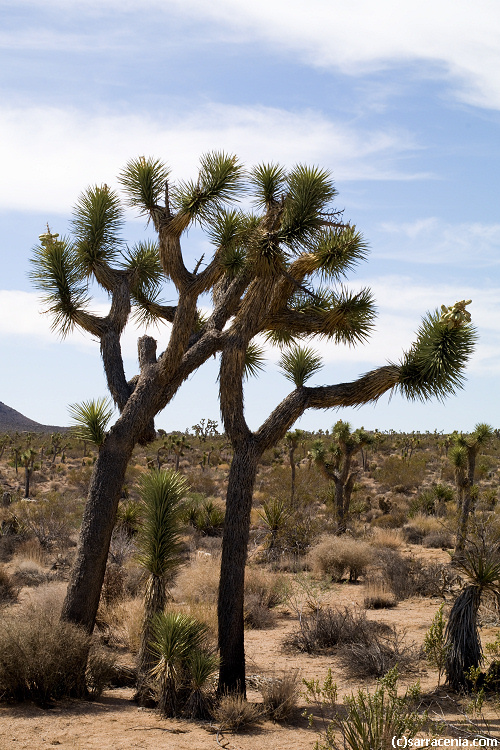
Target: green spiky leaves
(268,182)
(159,541)
(90,420)
(339,251)
(97,222)
(309,191)
(434,365)
(254,361)
(219,180)
(144,180)
(56,273)
(299,364)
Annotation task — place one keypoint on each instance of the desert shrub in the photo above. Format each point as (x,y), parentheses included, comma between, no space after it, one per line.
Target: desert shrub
(393,520)
(233,712)
(29,573)
(300,531)
(51,520)
(441,539)
(374,657)
(409,576)
(262,593)
(402,475)
(325,629)
(128,517)
(370,721)
(412,535)
(100,671)
(204,515)
(119,624)
(424,503)
(280,696)
(8,590)
(40,657)
(335,555)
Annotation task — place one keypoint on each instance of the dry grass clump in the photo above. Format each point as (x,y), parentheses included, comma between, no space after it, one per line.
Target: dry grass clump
(335,555)
(425,524)
(375,657)
(378,597)
(198,581)
(119,623)
(233,712)
(386,538)
(280,696)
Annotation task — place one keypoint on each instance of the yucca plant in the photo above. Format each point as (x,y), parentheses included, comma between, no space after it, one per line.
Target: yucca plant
(275,514)
(202,666)
(480,564)
(174,639)
(90,420)
(159,553)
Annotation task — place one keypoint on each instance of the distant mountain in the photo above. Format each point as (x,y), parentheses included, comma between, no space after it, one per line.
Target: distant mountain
(13,421)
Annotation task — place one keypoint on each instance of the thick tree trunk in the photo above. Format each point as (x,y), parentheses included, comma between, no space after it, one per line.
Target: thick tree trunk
(232,576)
(84,589)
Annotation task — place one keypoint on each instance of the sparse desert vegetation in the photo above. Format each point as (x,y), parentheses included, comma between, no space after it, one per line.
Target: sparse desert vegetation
(361,603)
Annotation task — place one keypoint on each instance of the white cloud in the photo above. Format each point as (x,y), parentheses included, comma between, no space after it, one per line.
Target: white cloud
(51,154)
(454,38)
(433,241)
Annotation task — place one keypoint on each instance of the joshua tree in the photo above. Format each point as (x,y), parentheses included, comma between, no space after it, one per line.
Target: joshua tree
(159,546)
(463,456)
(347,444)
(292,441)
(260,277)
(299,239)
(481,565)
(27,459)
(132,277)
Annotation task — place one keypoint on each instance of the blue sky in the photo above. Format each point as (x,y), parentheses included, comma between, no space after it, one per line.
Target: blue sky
(401,101)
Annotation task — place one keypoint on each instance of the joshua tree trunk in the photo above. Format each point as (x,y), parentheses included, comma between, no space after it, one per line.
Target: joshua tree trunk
(232,579)
(84,589)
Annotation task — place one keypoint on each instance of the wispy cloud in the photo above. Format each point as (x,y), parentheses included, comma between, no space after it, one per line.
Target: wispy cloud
(433,241)
(455,39)
(51,154)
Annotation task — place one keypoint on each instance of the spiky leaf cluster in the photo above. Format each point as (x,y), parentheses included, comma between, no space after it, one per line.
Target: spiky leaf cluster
(309,192)
(219,180)
(254,360)
(268,182)
(57,274)
(434,365)
(299,364)
(158,541)
(90,420)
(96,224)
(144,182)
